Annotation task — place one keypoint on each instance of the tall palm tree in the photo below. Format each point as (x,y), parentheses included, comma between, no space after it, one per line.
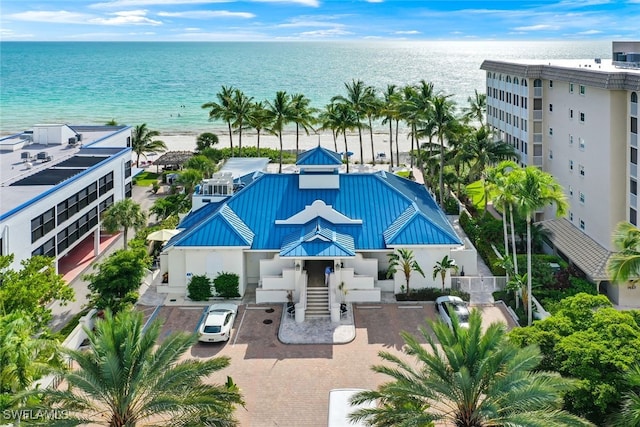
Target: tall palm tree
(303,116)
(259,119)
(143,141)
(357,95)
(443,119)
(223,109)
(444,266)
(372,108)
(624,265)
(535,190)
(487,152)
(403,259)
(477,107)
(201,163)
(189,178)
(241,106)
(389,110)
(346,120)
(329,119)
(281,112)
(410,113)
(465,378)
(124,214)
(128,377)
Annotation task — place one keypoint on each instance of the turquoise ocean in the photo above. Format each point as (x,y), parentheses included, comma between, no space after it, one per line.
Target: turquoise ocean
(164,84)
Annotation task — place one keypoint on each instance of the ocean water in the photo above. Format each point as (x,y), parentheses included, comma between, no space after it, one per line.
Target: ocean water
(165,84)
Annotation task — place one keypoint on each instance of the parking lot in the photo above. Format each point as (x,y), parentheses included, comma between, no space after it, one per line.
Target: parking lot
(288,384)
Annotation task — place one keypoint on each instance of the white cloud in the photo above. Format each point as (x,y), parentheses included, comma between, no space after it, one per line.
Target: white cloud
(590,32)
(408,32)
(312,3)
(119,4)
(51,16)
(539,27)
(333,32)
(130,17)
(8,34)
(206,14)
(374,1)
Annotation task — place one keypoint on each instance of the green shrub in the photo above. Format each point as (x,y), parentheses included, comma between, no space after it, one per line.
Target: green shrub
(199,288)
(451,206)
(227,285)
(430,294)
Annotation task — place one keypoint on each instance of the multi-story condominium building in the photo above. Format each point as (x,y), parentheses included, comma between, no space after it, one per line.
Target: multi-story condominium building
(55,182)
(578,120)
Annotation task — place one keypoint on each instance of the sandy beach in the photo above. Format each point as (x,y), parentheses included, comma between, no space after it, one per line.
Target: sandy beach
(183,142)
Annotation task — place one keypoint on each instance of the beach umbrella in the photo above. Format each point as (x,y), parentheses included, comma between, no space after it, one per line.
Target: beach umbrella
(162,235)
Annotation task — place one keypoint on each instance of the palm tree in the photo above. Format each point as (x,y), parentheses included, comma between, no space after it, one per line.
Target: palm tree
(357,96)
(502,188)
(389,110)
(465,378)
(142,141)
(206,140)
(201,163)
(535,190)
(223,109)
(443,266)
(411,114)
(487,152)
(346,120)
(624,265)
(281,112)
(329,120)
(630,414)
(124,214)
(303,116)
(372,108)
(404,260)
(443,119)
(189,178)
(241,106)
(259,119)
(477,107)
(128,377)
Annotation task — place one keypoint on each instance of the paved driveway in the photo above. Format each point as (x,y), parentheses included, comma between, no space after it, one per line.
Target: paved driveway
(288,385)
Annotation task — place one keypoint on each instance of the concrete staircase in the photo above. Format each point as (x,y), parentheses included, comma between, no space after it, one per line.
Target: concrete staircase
(318,303)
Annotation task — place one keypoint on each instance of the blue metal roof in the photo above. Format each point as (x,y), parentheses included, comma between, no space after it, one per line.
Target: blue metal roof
(195,217)
(393,211)
(318,238)
(319,156)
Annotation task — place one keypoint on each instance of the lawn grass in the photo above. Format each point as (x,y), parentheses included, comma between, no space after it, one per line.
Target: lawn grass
(145,179)
(475,191)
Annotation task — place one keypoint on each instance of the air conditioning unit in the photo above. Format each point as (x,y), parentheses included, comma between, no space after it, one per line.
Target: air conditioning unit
(73,140)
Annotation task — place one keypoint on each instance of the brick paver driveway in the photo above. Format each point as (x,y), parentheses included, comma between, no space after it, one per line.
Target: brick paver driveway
(288,385)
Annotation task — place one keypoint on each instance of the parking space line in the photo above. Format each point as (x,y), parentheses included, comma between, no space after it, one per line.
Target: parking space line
(235,336)
(204,312)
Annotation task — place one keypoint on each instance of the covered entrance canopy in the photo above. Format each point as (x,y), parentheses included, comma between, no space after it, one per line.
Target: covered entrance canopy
(318,239)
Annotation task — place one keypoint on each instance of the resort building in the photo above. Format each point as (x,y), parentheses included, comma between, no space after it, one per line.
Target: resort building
(55,182)
(578,120)
(315,233)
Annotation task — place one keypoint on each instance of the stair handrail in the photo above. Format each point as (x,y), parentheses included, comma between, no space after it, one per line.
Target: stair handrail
(303,290)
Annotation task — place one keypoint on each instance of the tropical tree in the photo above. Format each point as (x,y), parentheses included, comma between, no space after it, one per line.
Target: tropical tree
(303,116)
(346,120)
(477,107)
(329,119)
(117,280)
(485,152)
(127,377)
(259,119)
(143,141)
(112,122)
(372,108)
(534,190)
(444,266)
(630,414)
(357,97)
(173,204)
(443,119)
(189,178)
(223,109)
(403,259)
(281,112)
(201,163)
(466,378)
(123,215)
(242,107)
(624,265)
(411,113)
(206,140)
(389,111)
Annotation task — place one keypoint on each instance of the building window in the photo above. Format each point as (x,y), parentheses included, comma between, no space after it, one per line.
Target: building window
(634,156)
(570,191)
(550,83)
(570,87)
(581,170)
(571,113)
(581,143)
(582,117)
(581,225)
(583,89)
(128,141)
(634,125)
(105,204)
(48,249)
(571,139)
(581,197)
(551,154)
(633,185)
(550,107)
(550,131)
(537,104)
(570,165)
(127,190)
(633,216)
(106,183)
(571,216)
(42,224)
(634,98)
(127,169)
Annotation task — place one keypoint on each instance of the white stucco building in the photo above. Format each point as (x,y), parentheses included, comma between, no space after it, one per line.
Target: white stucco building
(578,120)
(55,182)
(282,231)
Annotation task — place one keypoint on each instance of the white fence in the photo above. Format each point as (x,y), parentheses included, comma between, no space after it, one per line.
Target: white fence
(473,284)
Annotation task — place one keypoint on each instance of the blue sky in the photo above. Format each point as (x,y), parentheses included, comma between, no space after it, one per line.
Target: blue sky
(256,20)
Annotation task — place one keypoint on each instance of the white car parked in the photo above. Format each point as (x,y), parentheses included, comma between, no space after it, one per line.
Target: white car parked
(451,304)
(217,323)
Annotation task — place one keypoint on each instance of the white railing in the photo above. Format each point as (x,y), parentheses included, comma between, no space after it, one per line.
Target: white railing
(478,283)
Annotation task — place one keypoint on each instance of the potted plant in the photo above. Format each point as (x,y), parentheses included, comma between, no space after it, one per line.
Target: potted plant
(343,304)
